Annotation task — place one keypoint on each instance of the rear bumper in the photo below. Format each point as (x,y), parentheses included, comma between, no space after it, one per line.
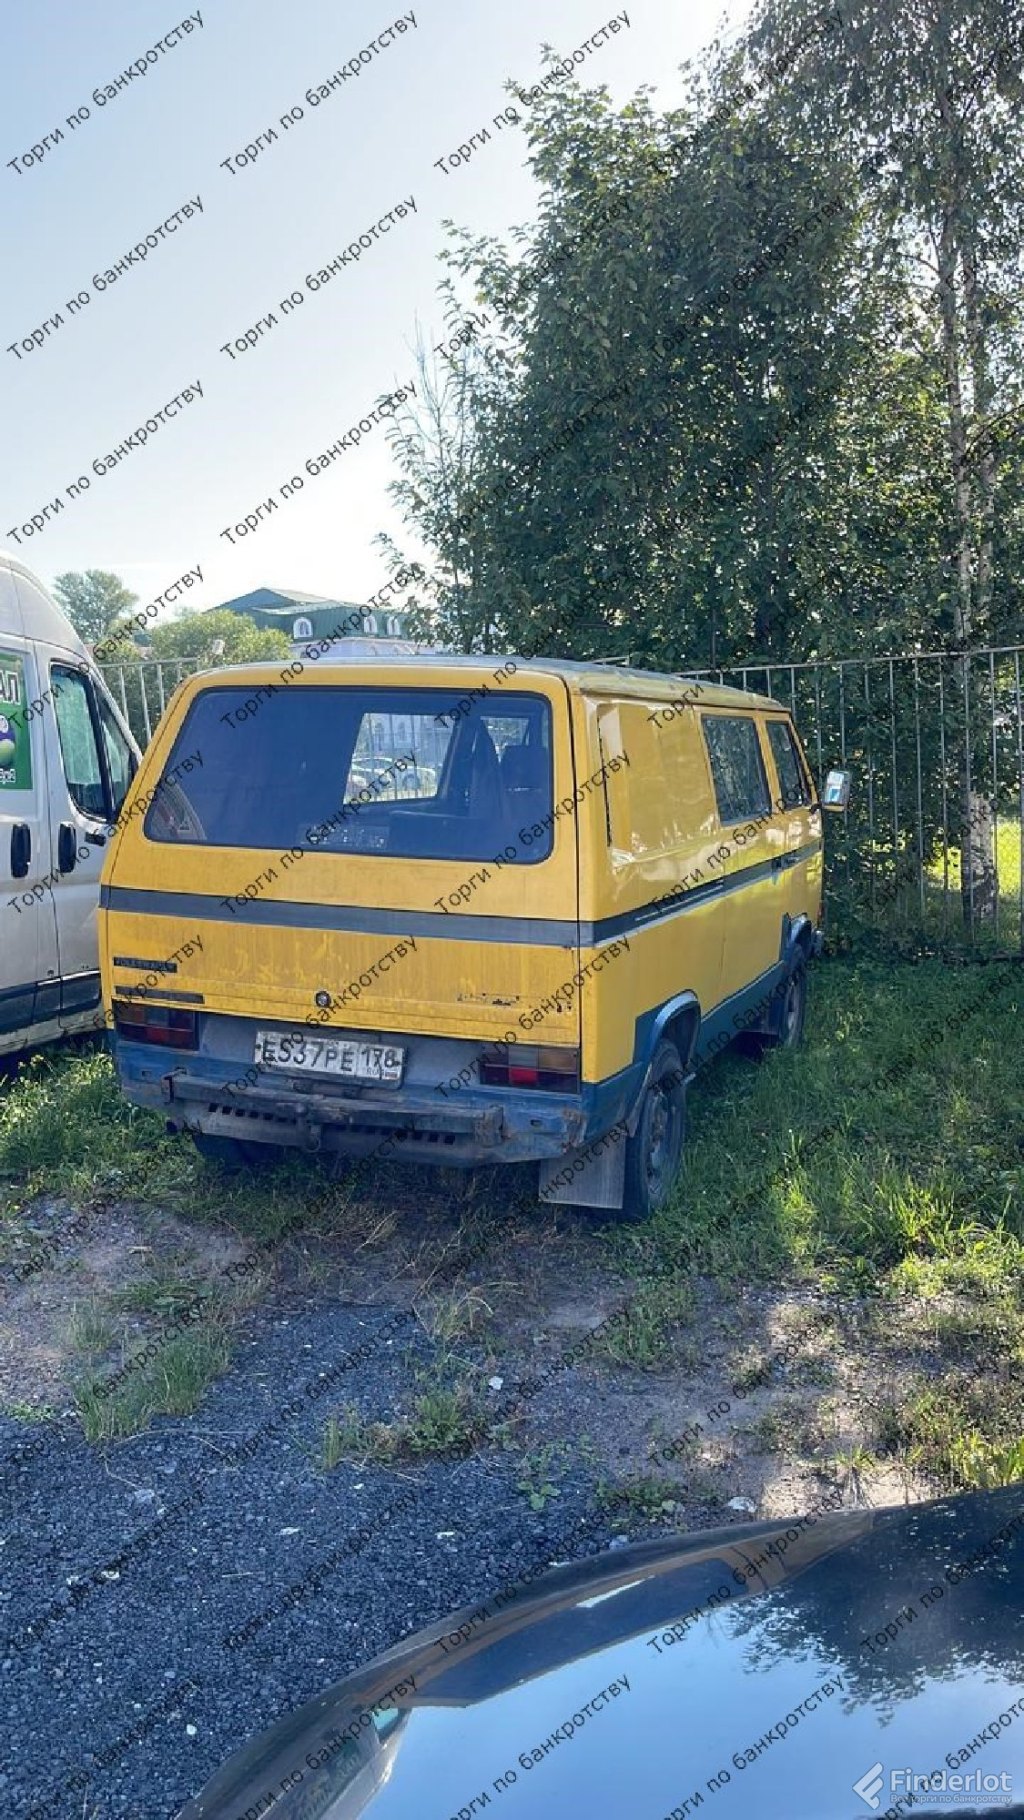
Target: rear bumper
(483,1126)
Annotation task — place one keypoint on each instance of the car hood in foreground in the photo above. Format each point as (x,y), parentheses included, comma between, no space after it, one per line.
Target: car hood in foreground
(799,1671)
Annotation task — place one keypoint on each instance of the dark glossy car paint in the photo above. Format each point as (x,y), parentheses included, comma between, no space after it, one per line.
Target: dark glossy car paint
(763,1670)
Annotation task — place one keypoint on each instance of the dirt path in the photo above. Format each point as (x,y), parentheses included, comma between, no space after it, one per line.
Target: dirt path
(769,1396)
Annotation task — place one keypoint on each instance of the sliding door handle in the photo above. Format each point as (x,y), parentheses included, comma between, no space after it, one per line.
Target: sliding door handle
(21,849)
(67,847)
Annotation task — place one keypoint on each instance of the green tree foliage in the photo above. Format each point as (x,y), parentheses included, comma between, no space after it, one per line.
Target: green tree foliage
(192,641)
(195,636)
(94,600)
(749,383)
(752,383)
(926,97)
(456,590)
(669,384)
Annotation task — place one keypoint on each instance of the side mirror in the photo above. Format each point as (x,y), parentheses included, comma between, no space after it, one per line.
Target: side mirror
(836,794)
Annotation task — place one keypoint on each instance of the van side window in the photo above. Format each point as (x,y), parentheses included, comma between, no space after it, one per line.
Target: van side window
(119,755)
(737,768)
(794,788)
(79,747)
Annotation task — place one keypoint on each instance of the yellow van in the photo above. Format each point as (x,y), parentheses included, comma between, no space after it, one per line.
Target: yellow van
(465,910)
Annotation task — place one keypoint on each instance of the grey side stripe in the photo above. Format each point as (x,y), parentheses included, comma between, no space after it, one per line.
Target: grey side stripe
(352,919)
(355,919)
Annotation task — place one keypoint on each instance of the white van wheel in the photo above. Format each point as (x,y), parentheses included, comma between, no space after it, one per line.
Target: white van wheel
(654,1151)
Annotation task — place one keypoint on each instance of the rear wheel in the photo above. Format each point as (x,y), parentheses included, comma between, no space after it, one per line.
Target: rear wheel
(231,1153)
(654,1151)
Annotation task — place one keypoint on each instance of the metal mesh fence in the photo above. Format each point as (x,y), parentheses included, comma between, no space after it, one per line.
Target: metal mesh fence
(935,741)
(142,689)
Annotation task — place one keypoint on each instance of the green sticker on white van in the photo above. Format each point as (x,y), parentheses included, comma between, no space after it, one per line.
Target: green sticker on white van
(15,740)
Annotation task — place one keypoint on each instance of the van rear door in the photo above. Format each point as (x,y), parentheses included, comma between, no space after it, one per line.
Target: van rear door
(386,847)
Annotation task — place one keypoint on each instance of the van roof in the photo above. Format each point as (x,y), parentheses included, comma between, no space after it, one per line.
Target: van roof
(10,561)
(36,614)
(587,677)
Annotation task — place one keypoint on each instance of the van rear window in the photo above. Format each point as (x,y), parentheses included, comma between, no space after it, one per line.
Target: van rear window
(415,773)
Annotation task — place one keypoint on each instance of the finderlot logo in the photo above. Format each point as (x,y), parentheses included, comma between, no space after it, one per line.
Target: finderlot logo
(869,1785)
(944,1788)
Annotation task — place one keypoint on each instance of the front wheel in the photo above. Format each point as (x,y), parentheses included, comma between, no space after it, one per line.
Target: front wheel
(793,1010)
(653,1152)
(786,1018)
(788,1022)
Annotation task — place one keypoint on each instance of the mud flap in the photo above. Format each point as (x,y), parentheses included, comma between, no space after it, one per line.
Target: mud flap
(593,1176)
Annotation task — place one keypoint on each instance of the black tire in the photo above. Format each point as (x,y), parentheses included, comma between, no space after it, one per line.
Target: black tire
(786,1020)
(793,1010)
(231,1154)
(654,1151)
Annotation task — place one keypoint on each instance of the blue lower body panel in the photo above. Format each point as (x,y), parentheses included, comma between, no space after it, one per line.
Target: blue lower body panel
(611,1101)
(438,1111)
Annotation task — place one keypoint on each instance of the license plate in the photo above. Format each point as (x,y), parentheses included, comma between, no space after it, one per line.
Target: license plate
(307,1053)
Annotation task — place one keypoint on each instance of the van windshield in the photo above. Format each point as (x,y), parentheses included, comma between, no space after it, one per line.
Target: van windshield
(416,773)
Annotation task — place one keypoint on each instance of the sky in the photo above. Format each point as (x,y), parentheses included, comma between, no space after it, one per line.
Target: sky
(78,389)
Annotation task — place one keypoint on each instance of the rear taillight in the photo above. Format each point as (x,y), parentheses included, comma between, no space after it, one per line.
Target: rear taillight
(140,1023)
(551,1069)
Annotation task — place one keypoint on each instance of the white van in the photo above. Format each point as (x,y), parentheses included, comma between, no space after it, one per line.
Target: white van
(66,761)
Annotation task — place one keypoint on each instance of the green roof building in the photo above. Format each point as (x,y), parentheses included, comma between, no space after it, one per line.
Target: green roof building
(302,616)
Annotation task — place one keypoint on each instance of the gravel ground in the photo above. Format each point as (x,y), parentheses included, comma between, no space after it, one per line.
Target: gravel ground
(124,1569)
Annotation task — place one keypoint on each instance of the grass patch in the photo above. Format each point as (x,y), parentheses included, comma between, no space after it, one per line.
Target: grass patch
(67,1132)
(171,1383)
(461,1314)
(965,1432)
(90,1331)
(900,923)
(643,1336)
(884,1162)
(980,1465)
(752,1371)
(649,1499)
(885,1156)
(163,1294)
(28,1412)
(540,1473)
(445,1422)
(790,1427)
(857,1460)
(346,1436)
